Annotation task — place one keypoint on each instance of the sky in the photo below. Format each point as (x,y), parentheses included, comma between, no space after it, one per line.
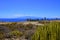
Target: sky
(37,8)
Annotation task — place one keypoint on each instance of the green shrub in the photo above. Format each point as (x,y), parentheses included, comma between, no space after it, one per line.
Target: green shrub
(16,33)
(2,35)
(50,31)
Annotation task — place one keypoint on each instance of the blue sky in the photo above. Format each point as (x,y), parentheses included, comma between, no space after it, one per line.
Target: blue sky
(37,8)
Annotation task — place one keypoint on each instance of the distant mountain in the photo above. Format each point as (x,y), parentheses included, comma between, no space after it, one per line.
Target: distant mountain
(18,19)
(21,19)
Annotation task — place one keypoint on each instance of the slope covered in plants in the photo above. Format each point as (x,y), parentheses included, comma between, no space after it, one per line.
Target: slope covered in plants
(49,31)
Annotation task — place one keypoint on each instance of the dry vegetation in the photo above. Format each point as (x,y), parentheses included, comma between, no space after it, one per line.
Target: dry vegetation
(39,30)
(20,30)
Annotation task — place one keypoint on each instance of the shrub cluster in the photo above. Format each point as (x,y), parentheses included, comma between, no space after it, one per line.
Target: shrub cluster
(49,31)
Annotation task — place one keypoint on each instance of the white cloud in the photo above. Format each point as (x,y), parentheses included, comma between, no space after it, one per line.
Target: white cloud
(20,15)
(16,15)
